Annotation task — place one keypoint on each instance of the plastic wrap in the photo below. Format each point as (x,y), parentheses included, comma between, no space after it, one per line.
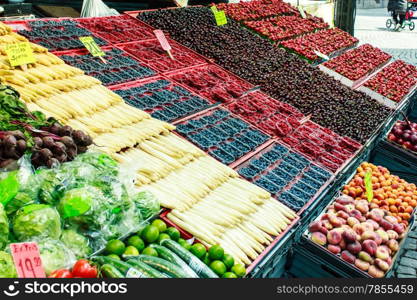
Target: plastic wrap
(147,204)
(36,221)
(97,8)
(77,243)
(4,228)
(55,255)
(7,269)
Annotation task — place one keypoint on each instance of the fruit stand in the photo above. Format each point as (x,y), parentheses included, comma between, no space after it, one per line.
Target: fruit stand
(236,151)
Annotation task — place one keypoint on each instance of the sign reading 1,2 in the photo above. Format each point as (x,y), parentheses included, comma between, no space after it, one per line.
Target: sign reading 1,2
(92,46)
(27,260)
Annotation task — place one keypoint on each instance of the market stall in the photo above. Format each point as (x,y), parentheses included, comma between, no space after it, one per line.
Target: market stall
(141,153)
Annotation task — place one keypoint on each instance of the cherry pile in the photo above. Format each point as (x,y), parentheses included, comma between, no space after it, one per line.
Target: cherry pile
(405,134)
(119,67)
(163,100)
(359,62)
(284,27)
(287,175)
(394,81)
(153,55)
(58,35)
(118,29)
(326,41)
(282,75)
(212,83)
(223,136)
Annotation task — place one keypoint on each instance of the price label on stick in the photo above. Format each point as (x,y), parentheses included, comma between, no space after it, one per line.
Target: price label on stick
(163,41)
(220,17)
(19,54)
(213,8)
(92,46)
(302,12)
(368,186)
(27,260)
(319,54)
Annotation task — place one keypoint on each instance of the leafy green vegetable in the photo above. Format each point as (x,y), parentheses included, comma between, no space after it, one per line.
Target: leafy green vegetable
(9,186)
(36,220)
(55,255)
(4,228)
(7,269)
(77,243)
(147,203)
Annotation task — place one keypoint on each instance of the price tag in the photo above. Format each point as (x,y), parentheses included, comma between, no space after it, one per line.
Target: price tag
(214,9)
(92,46)
(163,41)
(181,3)
(220,17)
(27,260)
(302,12)
(19,54)
(368,186)
(319,54)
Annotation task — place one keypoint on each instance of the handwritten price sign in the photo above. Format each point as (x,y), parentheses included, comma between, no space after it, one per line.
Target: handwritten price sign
(92,46)
(220,17)
(19,54)
(163,41)
(27,260)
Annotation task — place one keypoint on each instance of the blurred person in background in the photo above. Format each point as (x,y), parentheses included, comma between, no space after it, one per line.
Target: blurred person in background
(398,9)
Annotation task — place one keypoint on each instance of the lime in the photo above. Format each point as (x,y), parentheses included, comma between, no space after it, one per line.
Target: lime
(218,267)
(150,234)
(160,225)
(198,250)
(229,261)
(150,251)
(114,256)
(163,236)
(130,250)
(136,242)
(184,244)
(239,270)
(206,259)
(173,233)
(216,252)
(229,275)
(115,247)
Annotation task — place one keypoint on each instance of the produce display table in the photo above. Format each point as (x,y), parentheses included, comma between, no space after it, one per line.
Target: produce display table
(225,151)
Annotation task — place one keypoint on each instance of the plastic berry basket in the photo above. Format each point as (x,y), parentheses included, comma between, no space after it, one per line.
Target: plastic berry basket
(118,29)
(151,53)
(119,66)
(162,98)
(56,34)
(223,135)
(289,176)
(269,249)
(212,82)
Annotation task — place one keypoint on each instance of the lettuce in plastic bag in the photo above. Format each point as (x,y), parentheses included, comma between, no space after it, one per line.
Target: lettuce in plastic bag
(55,255)
(36,220)
(7,269)
(147,204)
(4,228)
(77,243)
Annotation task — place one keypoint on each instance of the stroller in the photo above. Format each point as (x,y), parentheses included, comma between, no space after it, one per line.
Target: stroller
(410,15)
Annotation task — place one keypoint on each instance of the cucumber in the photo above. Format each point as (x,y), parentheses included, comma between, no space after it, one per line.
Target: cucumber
(170,256)
(146,269)
(110,271)
(126,269)
(164,266)
(200,268)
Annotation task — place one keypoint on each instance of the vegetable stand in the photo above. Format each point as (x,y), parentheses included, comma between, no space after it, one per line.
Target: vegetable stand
(211,164)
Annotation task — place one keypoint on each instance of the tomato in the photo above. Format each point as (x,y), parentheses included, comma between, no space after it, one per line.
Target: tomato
(61,273)
(84,269)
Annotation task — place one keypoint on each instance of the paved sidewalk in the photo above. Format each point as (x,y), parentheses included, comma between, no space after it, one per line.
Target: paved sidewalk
(370,28)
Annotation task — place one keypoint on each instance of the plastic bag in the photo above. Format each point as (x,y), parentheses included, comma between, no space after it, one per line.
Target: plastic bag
(7,269)
(147,204)
(77,243)
(4,228)
(35,221)
(97,8)
(54,255)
